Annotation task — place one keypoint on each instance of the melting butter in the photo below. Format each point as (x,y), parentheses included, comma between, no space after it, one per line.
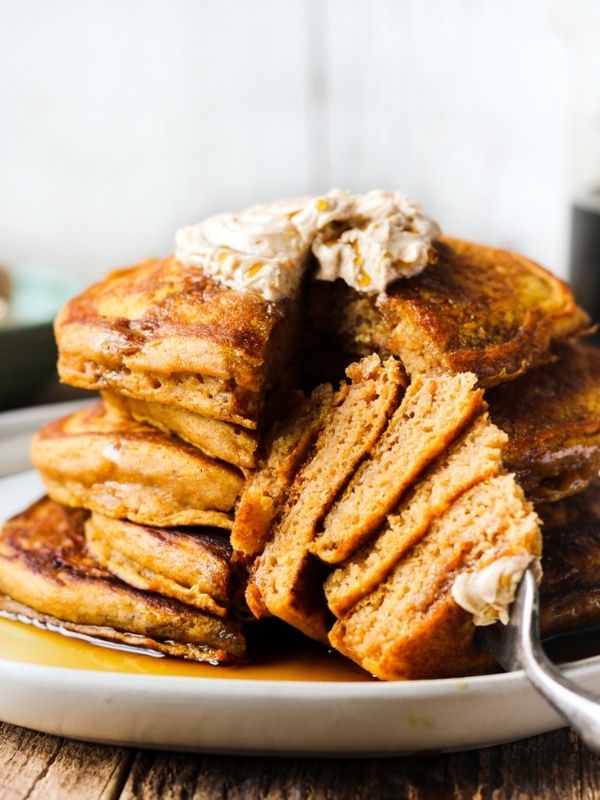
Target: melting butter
(368,240)
(487,593)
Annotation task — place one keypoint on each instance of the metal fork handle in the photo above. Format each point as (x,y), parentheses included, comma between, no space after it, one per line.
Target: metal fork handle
(579,707)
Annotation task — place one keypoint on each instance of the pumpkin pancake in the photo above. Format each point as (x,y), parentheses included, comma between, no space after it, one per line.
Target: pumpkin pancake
(552,418)
(125,469)
(283,581)
(411,626)
(570,591)
(433,412)
(168,334)
(475,456)
(477,309)
(47,576)
(285,448)
(189,564)
(216,438)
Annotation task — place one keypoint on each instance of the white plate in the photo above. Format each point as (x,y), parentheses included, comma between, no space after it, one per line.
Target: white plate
(234,714)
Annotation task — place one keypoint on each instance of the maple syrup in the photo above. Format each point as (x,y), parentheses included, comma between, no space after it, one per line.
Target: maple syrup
(290,658)
(286,657)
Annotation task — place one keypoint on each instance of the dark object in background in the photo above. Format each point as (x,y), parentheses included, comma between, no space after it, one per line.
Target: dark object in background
(30,296)
(27,361)
(584,267)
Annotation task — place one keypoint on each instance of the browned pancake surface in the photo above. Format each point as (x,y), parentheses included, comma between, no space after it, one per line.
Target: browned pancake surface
(479,309)
(126,469)
(168,333)
(44,565)
(570,592)
(552,418)
(189,564)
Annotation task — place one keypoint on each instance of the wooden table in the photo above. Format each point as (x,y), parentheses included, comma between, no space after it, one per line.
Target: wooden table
(40,767)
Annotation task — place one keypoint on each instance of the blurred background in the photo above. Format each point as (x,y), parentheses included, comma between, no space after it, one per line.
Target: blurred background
(123,120)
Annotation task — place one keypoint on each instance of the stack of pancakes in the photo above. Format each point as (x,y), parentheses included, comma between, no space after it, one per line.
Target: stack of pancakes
(402,492)
(359,524)
(220,475)
(142,485)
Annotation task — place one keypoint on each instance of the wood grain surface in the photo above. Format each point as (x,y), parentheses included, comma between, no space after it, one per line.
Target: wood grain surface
(41,767)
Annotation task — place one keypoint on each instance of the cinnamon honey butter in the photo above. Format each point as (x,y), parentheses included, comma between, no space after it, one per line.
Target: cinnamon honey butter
(368,240)
(488,593)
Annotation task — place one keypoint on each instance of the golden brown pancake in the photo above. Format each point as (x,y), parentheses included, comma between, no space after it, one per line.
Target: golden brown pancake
(371,449)
(216,438)
(433,412)
(570,591)
(441,635)
(189,564)
(284,580)
(473,457)
(45,567)
(169,334)
(405,492)
(285,448)
(410,626)
(552,418)
(125,469)
(478,309)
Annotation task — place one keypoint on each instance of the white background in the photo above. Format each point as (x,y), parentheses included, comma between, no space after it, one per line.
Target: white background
(121,120)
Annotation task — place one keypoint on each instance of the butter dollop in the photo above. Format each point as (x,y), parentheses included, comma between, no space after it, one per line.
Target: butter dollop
(487,593)
(368,240)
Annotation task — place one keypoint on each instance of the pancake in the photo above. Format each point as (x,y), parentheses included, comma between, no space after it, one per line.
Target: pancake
(216,438)
(410,626)
(189,564)
(47,575)
(286,446)
(284,582)
(570,591)
(125,469)
(168,334)
(352,478)
(431,415)
(426,501)
(478,309)
(474,457)
(552,418)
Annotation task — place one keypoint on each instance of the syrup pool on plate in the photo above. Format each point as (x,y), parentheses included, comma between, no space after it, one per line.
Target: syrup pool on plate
(286,658)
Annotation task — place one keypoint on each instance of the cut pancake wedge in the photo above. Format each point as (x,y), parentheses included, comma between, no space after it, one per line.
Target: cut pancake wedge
(432,413)
(266,491)
(476,456)
(411,626)
(283,582)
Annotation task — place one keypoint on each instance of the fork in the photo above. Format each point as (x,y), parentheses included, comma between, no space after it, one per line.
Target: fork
(518,646)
